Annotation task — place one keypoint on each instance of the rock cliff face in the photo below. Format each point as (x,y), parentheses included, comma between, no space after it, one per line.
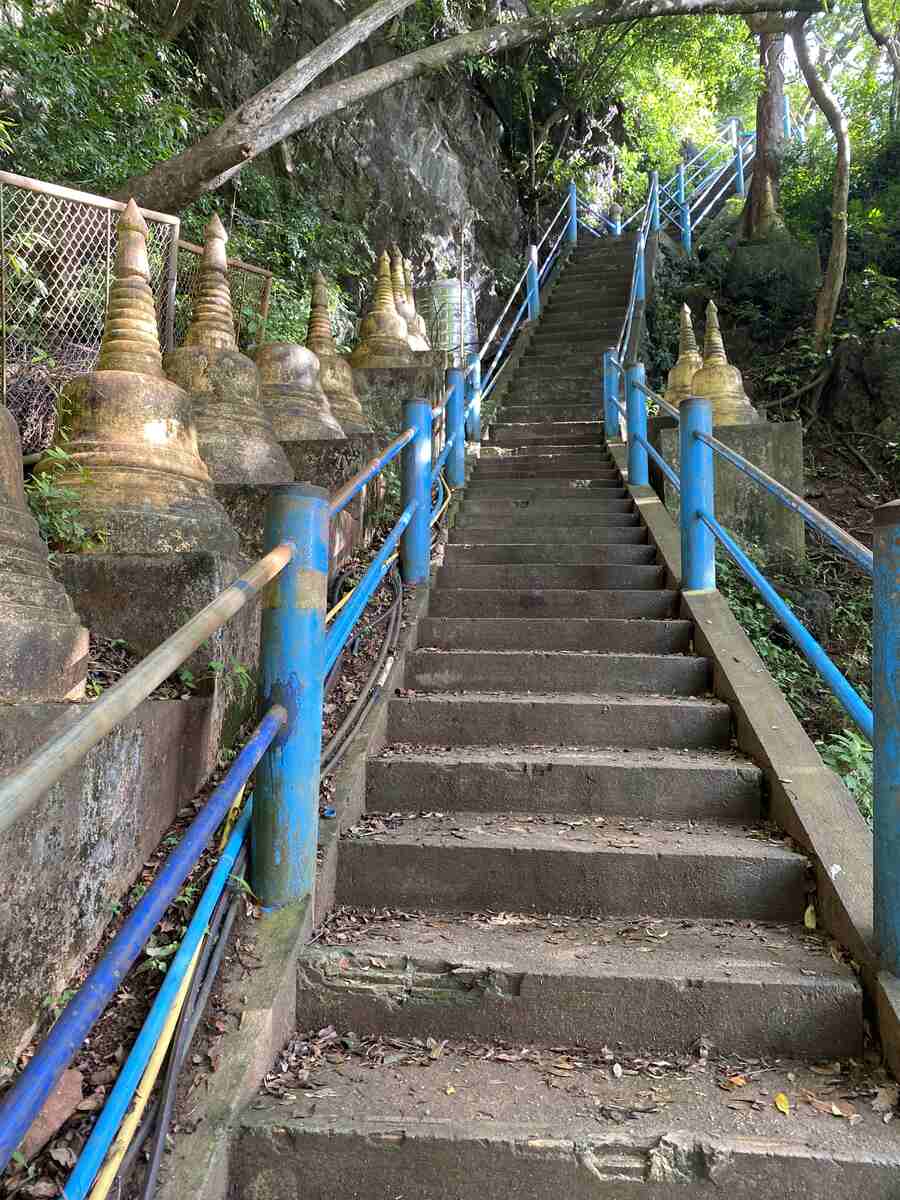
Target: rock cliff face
(409,165)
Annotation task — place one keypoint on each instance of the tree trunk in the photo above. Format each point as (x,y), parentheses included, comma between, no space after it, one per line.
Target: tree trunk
(279,111)
(761,208)
(830,293)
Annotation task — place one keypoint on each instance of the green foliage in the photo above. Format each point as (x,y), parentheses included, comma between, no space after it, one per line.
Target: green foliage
(57,509)
(850,756)
(94,97)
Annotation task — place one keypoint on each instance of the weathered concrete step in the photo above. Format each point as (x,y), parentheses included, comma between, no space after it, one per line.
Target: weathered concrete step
(544,392)
(581,433)
(581,336)
(542,410)
(471,1127)
(524,458)
(559,719)
(514,473)
(548,489)
(582,576)
(543,512)
(629,531)
(551,602)
(641,783)
(670,869)
(539,374)
(561,357)
(585,672)
(656,986)
(576,633)
(456,554)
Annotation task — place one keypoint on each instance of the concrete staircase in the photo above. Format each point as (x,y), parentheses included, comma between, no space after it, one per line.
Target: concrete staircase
(562,851)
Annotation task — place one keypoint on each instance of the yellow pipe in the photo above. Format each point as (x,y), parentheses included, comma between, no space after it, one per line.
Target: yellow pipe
(129,1126)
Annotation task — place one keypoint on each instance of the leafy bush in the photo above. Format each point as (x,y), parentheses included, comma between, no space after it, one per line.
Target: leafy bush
(850,756)
(57,508)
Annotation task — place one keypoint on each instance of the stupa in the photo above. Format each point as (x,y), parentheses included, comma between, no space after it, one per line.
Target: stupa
(689,361)
(133,432)
(235,436)
(292,394)
(383,332)
(336,372)
(718,381)
(404,303)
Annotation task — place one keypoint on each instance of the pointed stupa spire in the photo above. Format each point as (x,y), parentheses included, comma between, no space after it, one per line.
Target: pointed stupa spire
(213,321)
(418,328)
(719,382)
(678,386)
(319,338)
(130,335)
(398,281)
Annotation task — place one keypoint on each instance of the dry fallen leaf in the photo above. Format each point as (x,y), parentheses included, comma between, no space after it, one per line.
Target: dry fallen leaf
(450,1089)
(886,1098)
(809,917)
(782,1104)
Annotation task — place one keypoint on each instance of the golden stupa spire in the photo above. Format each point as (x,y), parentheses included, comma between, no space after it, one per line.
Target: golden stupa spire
(713,345)
(418,328)
(130,336)
(319,338)
(212,325)
(719,382)
(687,341)
(678,386)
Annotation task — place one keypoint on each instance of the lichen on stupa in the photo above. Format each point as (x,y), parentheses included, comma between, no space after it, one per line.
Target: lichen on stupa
(689,362)
(383,333)
(133,431)
(719,382)
(235,436)
(336,372)
(292,394)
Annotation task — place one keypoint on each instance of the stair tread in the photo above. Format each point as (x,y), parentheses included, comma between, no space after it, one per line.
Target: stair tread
(560,945)
(636,759)
(636,837)
(601,700)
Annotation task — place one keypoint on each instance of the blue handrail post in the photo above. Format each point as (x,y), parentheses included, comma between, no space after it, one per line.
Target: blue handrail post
(473,400)
(737,142)
(636,410)
(786,117)
(610,396)
(886,744)
(456,408)
(533,285)
(685,212)
(654,201)
(572,224)
(415,548)
(640,277)
(698,546)
(615,219)
(292,670)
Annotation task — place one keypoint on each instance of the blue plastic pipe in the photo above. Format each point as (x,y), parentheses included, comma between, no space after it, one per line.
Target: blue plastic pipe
(849,699)
(636,409)
(886,745)
(415,547)
(348,616)
(698,483)
(292,656)
(533,285)
(456,433)
(25,1099)
(572,223)
(473,400)
(94,1151)
(610,395)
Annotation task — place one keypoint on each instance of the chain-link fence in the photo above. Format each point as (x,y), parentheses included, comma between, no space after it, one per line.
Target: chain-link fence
(57,249)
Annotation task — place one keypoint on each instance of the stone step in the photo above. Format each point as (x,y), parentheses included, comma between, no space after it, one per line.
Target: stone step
(554,489)
(456,554)
(584,672)
(642,783)
(549,474)
(551,603)
(527,392)
(537,374)
(549,535)
(526,458)
(543,510)
(559,719)
(655,986)
(545,410)
(521,576)
(505,1123)
(564,358)
(510,863)
(650,636)
(581,433)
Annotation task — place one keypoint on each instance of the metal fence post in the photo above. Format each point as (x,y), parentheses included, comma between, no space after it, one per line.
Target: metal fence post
(292,662)
(786,117)
(473,398)
(610,395)
(685,211)
(456,408)
(737,142)
(698,547)
(636,409)
(886,745)
(533,285)
(654,201)
(640,275)
(572,224)
(415,548)
(615,212)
